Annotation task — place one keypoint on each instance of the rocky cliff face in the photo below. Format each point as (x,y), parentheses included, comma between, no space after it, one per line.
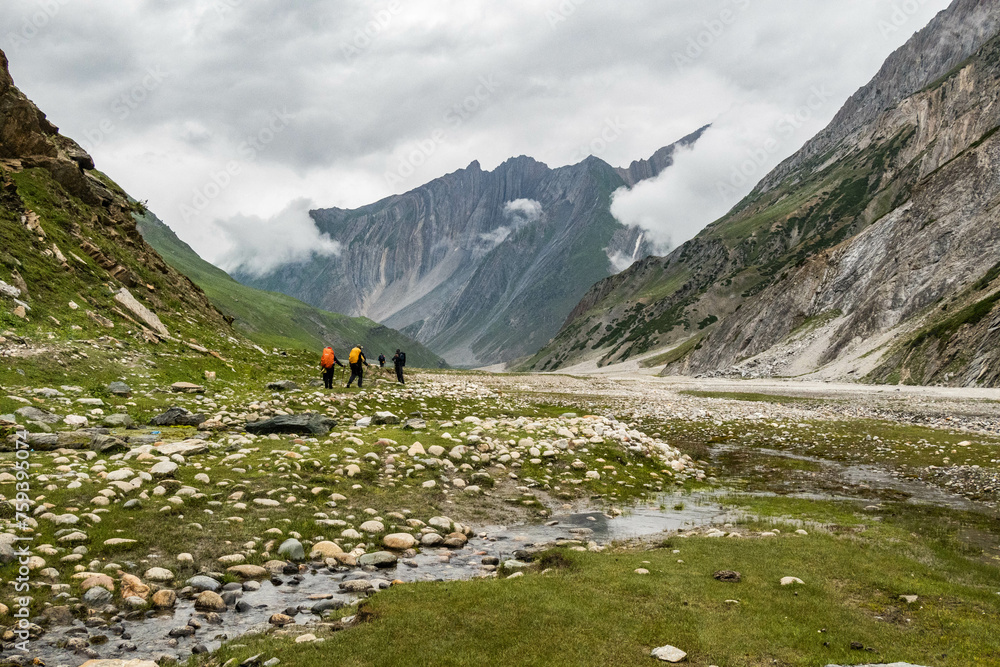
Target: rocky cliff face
(871,253)
(72,262)
(482,267)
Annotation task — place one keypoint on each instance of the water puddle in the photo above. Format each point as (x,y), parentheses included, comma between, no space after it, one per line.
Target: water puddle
(667,514)
(874,481)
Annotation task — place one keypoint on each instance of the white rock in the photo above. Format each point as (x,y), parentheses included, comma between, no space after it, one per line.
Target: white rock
(669,654)
(372,527)
(789,581)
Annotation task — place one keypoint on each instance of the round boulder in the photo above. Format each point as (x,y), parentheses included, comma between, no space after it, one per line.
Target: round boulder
(292,549)
(324,550)
(399,541)
(248,571)
(209,601)
(164,599)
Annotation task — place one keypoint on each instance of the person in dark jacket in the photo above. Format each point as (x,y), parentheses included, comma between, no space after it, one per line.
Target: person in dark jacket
(329,363)
(381,361)
(399,361)
(355,360)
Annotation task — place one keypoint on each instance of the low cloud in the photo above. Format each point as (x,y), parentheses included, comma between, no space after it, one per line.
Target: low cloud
(519,212)
(523,211)
(709,178)
(496,237)
(619,261)
(258,246)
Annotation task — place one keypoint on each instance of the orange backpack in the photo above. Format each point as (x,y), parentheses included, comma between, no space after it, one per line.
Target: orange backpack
(327,360)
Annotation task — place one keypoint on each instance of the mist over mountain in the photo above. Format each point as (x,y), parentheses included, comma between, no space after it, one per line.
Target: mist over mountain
(481,266)
(870,253)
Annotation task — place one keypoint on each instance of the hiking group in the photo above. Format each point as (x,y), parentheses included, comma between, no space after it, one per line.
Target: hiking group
(357,361)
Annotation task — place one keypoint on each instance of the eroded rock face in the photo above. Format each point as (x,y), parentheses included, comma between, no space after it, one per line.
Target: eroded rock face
(844,282)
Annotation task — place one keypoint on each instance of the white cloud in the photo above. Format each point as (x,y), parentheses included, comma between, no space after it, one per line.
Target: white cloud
(496,237)
(523,211)
(708,179)
(258,246)
(414,86)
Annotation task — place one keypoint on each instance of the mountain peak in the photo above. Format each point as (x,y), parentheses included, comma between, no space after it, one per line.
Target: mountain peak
(641,170)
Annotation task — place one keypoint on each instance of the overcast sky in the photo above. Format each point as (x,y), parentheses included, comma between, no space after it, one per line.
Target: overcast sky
(233,116)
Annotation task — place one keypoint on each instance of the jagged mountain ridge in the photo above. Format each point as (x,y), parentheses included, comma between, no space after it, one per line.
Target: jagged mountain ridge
(451,265)
(860,256)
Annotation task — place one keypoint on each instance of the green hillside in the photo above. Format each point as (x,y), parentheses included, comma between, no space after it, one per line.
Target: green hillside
(276,320)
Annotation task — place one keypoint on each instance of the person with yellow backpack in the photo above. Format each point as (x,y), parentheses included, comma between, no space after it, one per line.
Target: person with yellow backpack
(329,362)
(355,360)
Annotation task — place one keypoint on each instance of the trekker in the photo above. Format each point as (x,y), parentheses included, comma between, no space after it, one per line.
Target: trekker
(399,361)
(355,360)
(381,361)
(329,362)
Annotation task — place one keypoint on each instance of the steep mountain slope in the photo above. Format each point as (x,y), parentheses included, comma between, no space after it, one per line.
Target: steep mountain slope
(273,319)
(872,252)
(72,263)
(482,267)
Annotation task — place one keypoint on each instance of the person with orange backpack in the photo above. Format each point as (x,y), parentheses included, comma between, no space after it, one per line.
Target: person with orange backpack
(355,360)
(329,362)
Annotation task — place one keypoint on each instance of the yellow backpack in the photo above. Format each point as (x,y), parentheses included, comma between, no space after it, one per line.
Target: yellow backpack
(355,355)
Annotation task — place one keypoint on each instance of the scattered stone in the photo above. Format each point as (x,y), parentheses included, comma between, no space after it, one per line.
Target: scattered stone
(728,575)
(292,549)
(380,559)
(246,571)
(382,418)
(789,581)
(669,654)
(324,550)
(183,448)
(203,583)
(209,601)
(97,597)
(158,574)
(32,413)
(164,599)
(282,385)
(163,469)
(120,389)
(399,541)
(118,420)
(187,388)
(178,417)
(311,423)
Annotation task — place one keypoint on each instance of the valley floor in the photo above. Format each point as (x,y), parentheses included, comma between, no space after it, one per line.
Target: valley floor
(474,518)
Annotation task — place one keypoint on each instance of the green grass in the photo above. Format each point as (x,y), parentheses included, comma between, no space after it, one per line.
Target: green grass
(276,320)
(592,609)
